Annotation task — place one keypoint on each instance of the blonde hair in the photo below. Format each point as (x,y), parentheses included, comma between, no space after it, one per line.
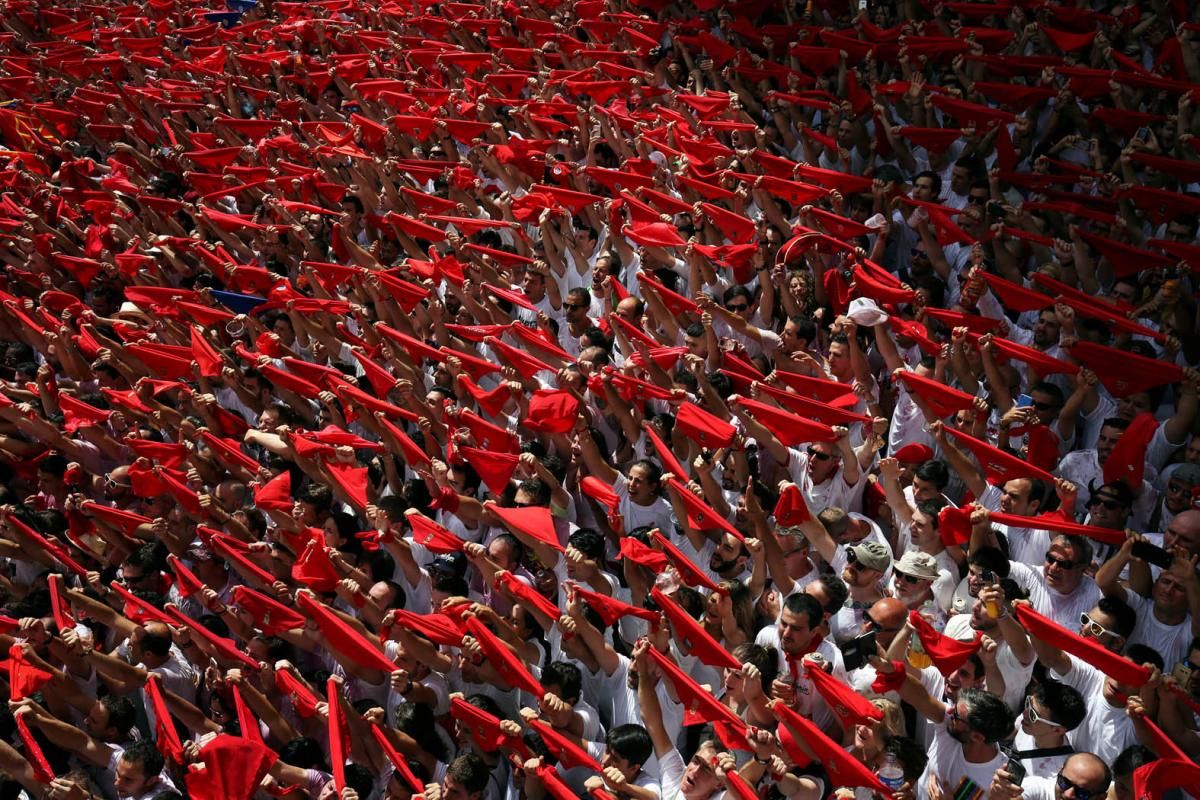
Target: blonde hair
(892,723)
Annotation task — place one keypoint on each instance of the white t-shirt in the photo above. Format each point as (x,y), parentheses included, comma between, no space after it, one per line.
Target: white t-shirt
(1169,641)
(656,515)
(1107,729)
(948,765)
(1016,675)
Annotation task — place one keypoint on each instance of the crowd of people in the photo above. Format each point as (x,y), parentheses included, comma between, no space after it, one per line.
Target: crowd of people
(626,399)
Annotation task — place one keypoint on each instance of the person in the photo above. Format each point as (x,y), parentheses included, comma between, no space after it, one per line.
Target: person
(1081,774)
(1052,710)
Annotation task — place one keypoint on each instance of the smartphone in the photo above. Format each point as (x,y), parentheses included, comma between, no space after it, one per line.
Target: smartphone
(1143,133)
(856,651)
(1015,769)
(987,576)
(1151,554)
(1182,673)
(994,209)
(1024,401)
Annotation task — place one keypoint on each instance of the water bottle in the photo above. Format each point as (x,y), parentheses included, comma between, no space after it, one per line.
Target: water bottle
(891,774)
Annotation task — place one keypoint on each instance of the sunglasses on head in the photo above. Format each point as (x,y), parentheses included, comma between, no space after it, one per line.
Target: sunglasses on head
(1065,786)
(1061,563)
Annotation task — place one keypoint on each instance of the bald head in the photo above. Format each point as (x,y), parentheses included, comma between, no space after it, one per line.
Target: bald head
(1085,772)
(1184,531)
(886,617)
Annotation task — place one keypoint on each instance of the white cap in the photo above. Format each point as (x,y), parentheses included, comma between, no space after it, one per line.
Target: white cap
(864,312)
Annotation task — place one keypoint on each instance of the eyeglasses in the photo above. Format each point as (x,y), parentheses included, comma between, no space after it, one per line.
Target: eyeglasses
(738,308)
(1043,406)
(908,578)
(818,455)
(1033,716)
(1061,563)
(954,715)
(975,200)
(1095,629)
(1065,786)
(111,484)
(851,556)
(574,306)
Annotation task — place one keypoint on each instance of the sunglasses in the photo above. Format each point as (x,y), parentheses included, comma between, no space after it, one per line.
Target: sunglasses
(1061,563)
(851,556)
(875,626)
(1095,629)
(1033,716)
(818,455)
(976,201)
(736,309)
(574,306)
(1065,786)
(1111,505)
(919,254)
(1043,406)
(908,578)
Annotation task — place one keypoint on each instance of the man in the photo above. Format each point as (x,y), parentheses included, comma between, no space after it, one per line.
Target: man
(466,779)
(139,773)
(1052,710)
(866,563)
(1169,617)
(622,756)
(576,308)
(1062,591)
(885,619)
(964,754)
(1084,774)
(1085,468)
(913,579)
(1014,654)
(1107,729)
(1177,498)
(797,635)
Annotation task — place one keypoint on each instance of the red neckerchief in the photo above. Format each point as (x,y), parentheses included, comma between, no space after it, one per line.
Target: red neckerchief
(793,660)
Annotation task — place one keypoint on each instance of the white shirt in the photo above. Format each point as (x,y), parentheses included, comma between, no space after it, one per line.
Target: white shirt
(1169,641)
(1107,729)
(950,767)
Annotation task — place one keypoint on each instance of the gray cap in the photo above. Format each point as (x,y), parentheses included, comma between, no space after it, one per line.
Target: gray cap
(872,555)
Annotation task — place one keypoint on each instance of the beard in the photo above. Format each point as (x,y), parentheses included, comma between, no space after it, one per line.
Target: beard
(718,566)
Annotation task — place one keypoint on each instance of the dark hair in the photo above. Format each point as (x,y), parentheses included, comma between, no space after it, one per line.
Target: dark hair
(566,677)
(589,542)
(931,508)
(934,178)
(121,712)
(934,471)
(470,771)
(992,558)
(360,779)
(1064,704)
(318,495)
(144,754)
(416,719)
(305,753)
(1119,610)
(1080,545)
(1144,654)
(987,714)
(631,742)
(1131,758)
(837,590)
(805,604)
(156,643)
